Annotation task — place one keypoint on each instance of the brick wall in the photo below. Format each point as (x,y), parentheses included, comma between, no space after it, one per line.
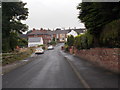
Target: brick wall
(104,57)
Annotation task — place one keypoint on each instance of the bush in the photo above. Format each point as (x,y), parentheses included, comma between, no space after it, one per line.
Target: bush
(84,41)
(77,42)
(70,40)
(52,43)
(66,48)
(40,45)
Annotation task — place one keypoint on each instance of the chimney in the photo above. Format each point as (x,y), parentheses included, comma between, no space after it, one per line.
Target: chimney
(41,28)
(33,29)
(74,27)
(69,27)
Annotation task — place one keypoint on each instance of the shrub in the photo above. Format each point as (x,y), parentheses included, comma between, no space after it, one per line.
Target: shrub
(83,41)
(66,48)
(40,45)
(77,42)
(70,40)
(52,43)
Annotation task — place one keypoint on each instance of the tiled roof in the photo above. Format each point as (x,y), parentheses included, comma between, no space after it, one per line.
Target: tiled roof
(79,30)
(49,32)
(37,32)
(61,31)
(34,39)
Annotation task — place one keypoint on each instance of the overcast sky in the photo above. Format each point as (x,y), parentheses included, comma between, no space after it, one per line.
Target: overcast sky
(52,14)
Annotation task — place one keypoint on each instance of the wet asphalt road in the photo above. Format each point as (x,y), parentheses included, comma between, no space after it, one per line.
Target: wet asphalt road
(48,70)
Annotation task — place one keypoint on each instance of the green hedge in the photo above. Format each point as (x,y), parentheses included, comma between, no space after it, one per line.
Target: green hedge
(109,37)
(70,40)
(83,41)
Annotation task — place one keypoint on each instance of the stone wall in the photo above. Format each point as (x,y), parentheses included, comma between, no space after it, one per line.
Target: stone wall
(104,57)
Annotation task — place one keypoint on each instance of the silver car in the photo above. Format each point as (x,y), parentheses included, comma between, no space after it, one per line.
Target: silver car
(39,51)
(50,47)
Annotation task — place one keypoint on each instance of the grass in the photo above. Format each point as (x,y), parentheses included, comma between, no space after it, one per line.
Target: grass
(8,58)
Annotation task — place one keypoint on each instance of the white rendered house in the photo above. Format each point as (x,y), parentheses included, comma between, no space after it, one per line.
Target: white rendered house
(74,33)
(35,41)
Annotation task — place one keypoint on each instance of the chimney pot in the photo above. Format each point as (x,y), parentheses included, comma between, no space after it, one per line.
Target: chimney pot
(33,29)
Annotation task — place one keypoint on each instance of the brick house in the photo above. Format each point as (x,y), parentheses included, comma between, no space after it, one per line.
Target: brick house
(61,35)
(47,35)
(44,34)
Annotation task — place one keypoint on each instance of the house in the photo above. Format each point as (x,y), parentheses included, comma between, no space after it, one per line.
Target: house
(73,33)
(41,34)
(81,30)
(35,41)
(60,35)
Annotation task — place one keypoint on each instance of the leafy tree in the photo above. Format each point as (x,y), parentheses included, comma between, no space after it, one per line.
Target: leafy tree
(96,15)
(110,37)
(22,42)
(13,40)
(0,28)
(12,15)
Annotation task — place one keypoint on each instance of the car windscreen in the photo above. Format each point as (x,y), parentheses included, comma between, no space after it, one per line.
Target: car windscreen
(39,49)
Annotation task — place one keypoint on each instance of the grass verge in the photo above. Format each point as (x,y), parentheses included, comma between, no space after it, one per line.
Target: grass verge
(8,58)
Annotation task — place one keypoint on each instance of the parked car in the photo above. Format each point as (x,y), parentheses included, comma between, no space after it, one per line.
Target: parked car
(39,51)
(50,47)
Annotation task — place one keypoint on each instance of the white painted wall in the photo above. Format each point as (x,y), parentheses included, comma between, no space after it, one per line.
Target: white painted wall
(32,44)
(74,33)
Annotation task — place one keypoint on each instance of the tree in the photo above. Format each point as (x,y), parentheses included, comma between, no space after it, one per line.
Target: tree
(12,15)
(95,15)
(110,37)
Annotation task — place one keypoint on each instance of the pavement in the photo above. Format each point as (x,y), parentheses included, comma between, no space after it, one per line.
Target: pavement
(93,75)
(57,69)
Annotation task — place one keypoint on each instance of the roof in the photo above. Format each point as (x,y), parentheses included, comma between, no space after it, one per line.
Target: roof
(74,33)
(34,39)
(40,32)
(81,30)
(61,31)
(49,32)
(29,32)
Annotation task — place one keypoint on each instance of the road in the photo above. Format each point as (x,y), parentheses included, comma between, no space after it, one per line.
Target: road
(48,70)
(53,69)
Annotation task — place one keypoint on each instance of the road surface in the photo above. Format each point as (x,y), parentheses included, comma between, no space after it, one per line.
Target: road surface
(48,70)
(53,70)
